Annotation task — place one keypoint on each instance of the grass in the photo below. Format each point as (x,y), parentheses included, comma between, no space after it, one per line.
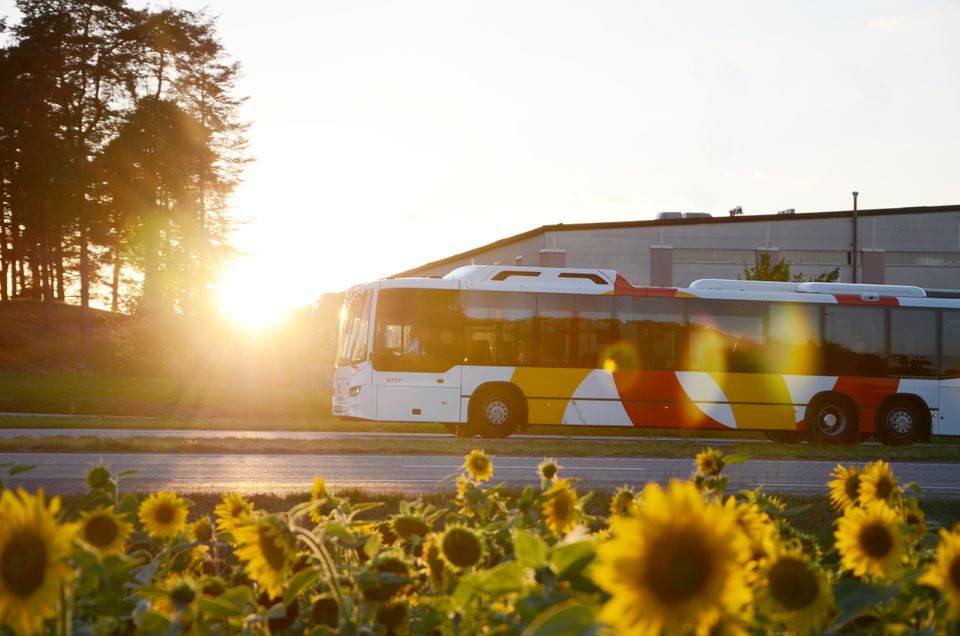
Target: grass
(558,447)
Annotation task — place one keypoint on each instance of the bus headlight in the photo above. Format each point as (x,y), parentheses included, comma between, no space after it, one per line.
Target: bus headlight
(354,391)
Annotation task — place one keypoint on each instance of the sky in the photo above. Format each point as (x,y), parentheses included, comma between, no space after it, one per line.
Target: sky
(390,134)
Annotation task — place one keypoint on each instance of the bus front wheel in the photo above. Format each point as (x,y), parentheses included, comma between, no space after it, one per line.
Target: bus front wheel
(832,420)
(495,411)
(900,423)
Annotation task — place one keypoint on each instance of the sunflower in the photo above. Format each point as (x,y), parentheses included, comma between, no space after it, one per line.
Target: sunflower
(478,465)
(33,553)
(673,566)
(793,589)
(560,509)
(202,529)
(407,526)
(163,515)
(710,463)
(460,547)
(878,484)
(756,525)
(434,560)
(269,550)
(622,502)
(914,519)
(318,495)
(547,470)
(233,509)
(104,531)
(98,477)
(845,487)
(944,573)
(870,541)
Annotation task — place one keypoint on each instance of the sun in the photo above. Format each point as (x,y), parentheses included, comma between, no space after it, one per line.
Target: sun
(252,295)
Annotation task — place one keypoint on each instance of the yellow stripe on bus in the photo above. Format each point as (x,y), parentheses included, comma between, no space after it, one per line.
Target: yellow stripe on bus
(758,400)
(558,384)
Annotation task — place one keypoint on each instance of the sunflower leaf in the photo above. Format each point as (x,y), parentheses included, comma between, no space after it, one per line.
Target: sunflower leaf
(854,598)
(570,559)
(21,468)
(531,550)
(566,619)
(730,460)
(303,579)
(213,606)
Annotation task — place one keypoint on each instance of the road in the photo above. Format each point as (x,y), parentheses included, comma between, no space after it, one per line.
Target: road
(282,474)
(7,433)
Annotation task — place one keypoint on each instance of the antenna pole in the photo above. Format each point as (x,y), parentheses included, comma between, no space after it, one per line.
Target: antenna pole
(855,246)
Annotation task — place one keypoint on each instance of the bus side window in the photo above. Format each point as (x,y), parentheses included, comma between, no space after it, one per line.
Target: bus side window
(854,341)
(913,342)
(950,344)
(725,335)
(479,352)
(555,330)
(793,344)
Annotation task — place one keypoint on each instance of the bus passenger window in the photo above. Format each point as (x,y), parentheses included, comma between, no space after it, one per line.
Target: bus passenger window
(854,341)
(950,343)
(913,342)
(479,352)
(793,345)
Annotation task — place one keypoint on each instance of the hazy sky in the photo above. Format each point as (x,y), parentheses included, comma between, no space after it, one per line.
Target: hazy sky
(389,134)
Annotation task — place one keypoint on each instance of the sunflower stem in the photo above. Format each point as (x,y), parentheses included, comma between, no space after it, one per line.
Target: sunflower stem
(325,559)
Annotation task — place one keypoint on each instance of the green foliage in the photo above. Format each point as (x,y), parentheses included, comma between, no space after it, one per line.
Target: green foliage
(766,269)
(352,575)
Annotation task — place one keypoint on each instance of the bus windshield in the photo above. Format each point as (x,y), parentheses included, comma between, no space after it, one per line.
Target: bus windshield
(354,325)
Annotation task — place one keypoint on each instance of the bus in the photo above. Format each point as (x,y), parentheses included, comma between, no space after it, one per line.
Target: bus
(490,350)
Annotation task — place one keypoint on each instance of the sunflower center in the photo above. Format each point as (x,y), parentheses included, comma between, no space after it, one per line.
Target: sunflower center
(679,568)
(955,573)
(792,584)
(875,540)
(884,488)
(164,513)
(852,487)
(272,553)
(561,507)
(461,548)
(101,531)
(23,563)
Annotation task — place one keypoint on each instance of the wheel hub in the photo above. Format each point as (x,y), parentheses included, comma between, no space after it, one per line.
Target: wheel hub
(496,412)
(832,422)
(901,422)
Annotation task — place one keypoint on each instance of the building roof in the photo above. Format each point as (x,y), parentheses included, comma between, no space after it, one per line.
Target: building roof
(707,220)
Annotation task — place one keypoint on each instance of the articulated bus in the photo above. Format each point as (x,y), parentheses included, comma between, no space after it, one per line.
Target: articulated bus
(489,350)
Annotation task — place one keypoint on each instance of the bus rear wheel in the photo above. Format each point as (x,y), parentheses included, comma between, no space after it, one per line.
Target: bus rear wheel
(900,423)
(495,411)
(832,420)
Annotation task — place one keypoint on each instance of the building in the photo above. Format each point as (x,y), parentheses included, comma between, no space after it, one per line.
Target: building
(901,246)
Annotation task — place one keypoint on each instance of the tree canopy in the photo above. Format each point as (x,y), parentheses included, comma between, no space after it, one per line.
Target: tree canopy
(120,142)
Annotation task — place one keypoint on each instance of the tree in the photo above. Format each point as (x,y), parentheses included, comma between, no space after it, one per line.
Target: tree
(765,269)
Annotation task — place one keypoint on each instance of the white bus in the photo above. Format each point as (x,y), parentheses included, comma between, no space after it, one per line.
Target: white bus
(488,350)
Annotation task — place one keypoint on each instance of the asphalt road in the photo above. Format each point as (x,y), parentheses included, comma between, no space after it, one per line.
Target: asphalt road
(281,474)
(7,433)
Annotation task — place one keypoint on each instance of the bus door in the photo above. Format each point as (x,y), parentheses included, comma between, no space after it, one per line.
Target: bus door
(417,353)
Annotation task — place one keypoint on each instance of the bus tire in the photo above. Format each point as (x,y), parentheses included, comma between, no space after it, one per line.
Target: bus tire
(496,410)
(460,429)
(831,419)
(901,422)
(784,437)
